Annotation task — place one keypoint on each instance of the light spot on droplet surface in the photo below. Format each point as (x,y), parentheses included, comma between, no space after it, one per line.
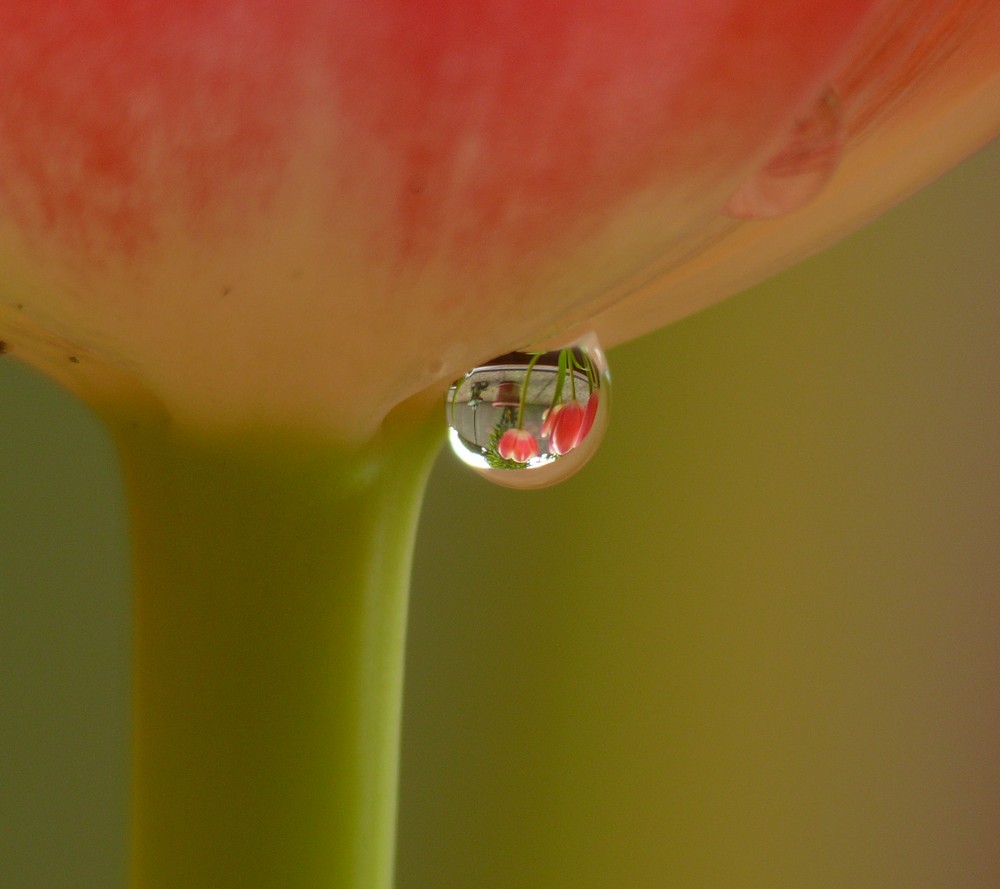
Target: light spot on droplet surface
(531,419)
(801,168)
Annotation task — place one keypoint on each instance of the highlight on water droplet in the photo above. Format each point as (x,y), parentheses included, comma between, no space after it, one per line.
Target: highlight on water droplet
(801,168)
(531,419)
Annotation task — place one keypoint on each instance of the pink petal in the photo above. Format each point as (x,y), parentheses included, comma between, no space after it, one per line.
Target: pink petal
(567,428)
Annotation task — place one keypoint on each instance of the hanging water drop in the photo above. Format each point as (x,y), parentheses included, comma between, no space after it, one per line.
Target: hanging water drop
(800,169)
(531,419)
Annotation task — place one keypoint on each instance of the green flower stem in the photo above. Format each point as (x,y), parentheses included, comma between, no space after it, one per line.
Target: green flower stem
(270,608)
(524,387)
(560,380)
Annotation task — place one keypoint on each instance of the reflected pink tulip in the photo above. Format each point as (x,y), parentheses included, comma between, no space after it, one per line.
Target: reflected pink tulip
(518,445)
(566,422)
(589,415)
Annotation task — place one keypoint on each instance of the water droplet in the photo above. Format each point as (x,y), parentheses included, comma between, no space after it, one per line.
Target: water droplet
(800,170)
(531,419)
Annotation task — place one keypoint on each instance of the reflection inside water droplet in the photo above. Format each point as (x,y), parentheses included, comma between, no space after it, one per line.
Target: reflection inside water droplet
(531,419)
(800,169)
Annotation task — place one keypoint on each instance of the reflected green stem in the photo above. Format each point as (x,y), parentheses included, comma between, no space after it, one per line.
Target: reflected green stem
(524,388)
(270,607)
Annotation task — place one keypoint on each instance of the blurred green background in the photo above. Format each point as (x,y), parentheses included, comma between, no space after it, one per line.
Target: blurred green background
(762,648)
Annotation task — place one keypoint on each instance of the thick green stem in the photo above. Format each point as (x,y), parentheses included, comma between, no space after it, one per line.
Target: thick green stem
(270,610)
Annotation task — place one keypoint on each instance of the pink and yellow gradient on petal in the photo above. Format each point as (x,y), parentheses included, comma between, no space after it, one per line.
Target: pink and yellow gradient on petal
(303,214)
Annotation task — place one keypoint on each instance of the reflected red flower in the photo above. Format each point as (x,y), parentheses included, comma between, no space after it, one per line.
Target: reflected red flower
(548,418)
(589,415)
(566,422)
(518,445)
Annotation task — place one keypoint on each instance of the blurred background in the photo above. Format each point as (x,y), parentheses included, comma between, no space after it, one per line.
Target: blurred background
(763,649)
